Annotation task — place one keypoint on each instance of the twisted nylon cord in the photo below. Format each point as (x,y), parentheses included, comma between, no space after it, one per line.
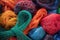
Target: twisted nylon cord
(20,26)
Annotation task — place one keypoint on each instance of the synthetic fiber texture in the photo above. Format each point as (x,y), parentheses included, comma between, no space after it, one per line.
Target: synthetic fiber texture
(48,4)
(23,20)
(35,20)
(57,36)
(8,19)
(51,23)
(9,3)
(37,33)
(25,5)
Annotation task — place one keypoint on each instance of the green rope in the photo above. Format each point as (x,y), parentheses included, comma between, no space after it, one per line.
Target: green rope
(24,18)
(58,11)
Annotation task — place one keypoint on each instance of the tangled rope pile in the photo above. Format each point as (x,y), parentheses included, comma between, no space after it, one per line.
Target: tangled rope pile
(23,20)
(29,20)
(35,20)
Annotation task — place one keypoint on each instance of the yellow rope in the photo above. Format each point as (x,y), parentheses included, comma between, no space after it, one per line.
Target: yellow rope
(8,19)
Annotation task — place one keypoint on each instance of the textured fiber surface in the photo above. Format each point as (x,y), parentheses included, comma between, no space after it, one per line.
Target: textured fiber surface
(12,38)
(9,3)
(57,36)
(8,19)
(48,37)
(24,18)
(35,20)
(51,23)
(58,10)
(48,4)
(25,5)
(29,19)
(37,33)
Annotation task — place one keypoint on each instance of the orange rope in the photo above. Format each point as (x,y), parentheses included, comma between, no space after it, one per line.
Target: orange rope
(35,21)
(9,3)
(8,19)
(10,23)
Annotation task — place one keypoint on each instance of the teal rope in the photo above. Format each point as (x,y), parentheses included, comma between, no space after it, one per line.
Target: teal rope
(24,18)
(23,25)
(58,11)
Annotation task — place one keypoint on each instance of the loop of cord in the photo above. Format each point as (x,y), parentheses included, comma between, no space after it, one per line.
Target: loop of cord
(23,20)
(35,20)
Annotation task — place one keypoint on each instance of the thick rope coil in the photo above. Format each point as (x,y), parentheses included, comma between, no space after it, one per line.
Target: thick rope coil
(8,19)
(51,23)
(25,5)
(37,33)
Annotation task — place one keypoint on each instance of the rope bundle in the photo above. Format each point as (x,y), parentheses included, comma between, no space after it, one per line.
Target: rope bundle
(25,5)
(8,19)
(37,33)
(51,23)
(23,20)
(9,3)
(35,20)
(23,26)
